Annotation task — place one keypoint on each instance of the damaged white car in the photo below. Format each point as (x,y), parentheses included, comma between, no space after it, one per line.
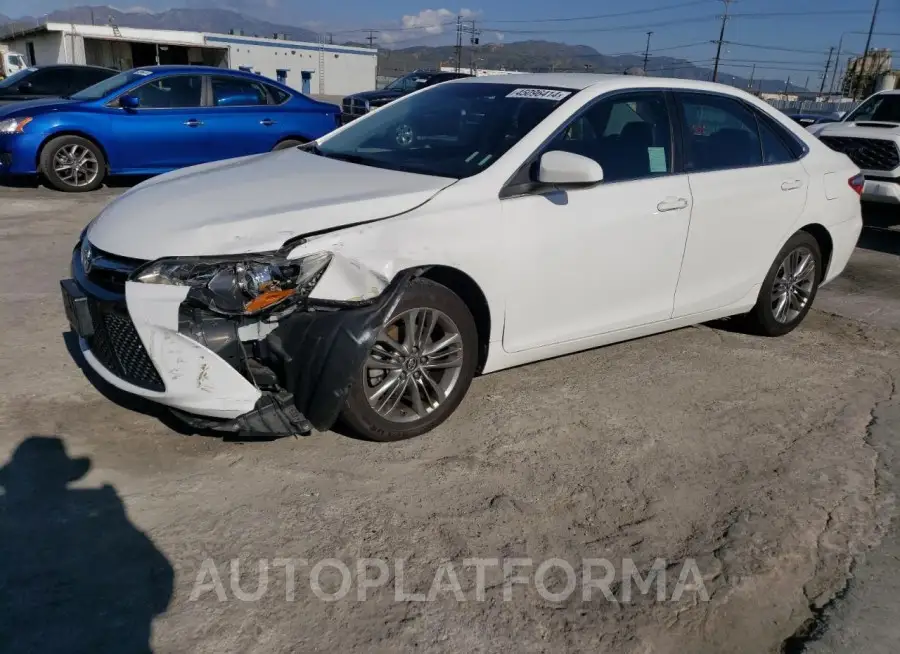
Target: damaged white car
(470,227)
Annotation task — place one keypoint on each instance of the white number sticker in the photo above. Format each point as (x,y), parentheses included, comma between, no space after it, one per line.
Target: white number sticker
(143,73)
(540,94)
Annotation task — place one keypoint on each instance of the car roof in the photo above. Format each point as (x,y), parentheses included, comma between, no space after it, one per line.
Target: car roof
(204,70)
(602,82)
(72,66)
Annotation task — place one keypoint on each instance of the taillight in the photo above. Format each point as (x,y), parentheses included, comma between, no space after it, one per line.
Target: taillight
(857,182)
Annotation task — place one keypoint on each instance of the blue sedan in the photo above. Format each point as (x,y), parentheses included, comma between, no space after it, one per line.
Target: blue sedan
(153,120)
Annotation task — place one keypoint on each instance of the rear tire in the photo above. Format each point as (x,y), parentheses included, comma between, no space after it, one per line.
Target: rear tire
(411,383)
(789,288)
(288,144)
(73,164)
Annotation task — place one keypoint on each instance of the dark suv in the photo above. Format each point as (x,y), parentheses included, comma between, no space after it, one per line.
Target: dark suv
(53,81)
(354,106)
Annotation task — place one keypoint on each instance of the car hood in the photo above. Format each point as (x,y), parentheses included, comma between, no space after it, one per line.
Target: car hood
(32,107)
(376,95)
(253,204)
(860,130)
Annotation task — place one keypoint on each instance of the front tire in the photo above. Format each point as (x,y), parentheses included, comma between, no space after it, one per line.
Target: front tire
(419,369)
(73,164)
(287,144)
(789,288)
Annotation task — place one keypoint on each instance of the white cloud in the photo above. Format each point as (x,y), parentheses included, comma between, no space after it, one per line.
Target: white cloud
(428,22)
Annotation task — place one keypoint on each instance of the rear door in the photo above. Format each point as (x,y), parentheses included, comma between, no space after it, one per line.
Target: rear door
(242,119)
(167,131)
(748,189)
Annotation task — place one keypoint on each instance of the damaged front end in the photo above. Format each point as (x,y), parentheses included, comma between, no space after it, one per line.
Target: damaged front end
(302,360)
(258,345)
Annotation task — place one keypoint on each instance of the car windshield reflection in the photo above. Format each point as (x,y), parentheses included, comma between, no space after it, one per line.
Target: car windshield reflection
(452,130)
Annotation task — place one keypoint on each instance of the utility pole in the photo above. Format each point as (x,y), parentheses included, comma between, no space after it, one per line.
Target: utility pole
(827,67)
(865,58)
(837,64)
(715,75)
(458,42)
(473,41)
(787,85)
(647,50)
(752,73)
(371,38)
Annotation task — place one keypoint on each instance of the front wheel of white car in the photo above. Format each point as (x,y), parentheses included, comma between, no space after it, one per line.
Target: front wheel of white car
(419,369)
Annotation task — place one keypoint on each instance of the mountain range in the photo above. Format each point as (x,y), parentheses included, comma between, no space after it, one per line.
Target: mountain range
(517,55)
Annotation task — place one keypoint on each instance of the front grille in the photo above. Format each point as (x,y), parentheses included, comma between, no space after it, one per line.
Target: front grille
(354,107)
(110,271)
(118,347)
(868,154)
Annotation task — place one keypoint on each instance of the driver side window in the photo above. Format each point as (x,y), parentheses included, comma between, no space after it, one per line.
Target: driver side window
(629,135)
(180,92)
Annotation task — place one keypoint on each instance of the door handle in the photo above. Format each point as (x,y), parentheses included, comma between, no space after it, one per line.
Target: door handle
(193,122)
(267,122)
(791,185)
(672,204)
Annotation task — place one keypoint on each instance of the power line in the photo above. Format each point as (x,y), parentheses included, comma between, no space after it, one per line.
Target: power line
(634,12)
(621,28)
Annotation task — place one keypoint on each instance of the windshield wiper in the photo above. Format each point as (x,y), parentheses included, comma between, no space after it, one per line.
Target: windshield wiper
(349,158)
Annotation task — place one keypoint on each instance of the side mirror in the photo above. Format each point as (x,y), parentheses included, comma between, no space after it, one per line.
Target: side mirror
(568,169)
(130,102)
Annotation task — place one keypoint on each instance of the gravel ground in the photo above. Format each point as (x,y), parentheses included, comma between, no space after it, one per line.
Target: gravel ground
(767,462)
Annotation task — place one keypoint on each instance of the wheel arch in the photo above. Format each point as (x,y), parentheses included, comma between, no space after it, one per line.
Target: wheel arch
(474,298)
(70,132)
(826,244)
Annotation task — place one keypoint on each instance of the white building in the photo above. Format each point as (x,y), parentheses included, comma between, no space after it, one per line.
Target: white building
(317,68)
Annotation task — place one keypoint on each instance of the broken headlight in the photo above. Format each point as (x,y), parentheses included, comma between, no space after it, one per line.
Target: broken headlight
(239,285)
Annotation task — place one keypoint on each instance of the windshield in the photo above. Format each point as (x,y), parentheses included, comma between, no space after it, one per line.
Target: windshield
(407,83)
(16,60)
(15,78)
(110,85)
(451,130)
(880,108)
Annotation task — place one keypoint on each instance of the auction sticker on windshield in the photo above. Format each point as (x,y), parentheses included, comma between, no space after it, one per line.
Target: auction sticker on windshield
(540,94)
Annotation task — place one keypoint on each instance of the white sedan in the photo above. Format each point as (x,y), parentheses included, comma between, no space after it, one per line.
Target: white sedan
(469,227)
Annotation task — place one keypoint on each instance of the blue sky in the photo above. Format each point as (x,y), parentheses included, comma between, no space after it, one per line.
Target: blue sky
(814,26)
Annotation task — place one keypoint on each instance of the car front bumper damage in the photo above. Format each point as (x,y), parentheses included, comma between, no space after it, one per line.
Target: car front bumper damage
(265,378)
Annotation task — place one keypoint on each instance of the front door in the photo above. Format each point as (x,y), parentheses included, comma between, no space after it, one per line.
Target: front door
(606,258)
(240,121)
(749,190)
(165,132)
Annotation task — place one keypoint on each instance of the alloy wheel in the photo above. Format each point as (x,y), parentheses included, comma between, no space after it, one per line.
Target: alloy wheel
(76,165)
(794,284)
(414,365)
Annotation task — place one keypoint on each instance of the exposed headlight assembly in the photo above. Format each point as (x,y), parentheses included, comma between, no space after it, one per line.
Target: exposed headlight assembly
(239,285)
(13,125)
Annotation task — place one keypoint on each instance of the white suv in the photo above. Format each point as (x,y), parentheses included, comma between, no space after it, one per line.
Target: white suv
(870,136)
(473,226)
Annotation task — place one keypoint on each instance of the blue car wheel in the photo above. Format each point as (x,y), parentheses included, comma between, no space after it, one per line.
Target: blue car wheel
(73,164)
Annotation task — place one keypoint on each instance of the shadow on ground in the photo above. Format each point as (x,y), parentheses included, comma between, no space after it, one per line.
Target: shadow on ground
(75,574)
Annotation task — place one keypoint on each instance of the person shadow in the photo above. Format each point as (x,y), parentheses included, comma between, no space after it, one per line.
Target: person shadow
(75,575)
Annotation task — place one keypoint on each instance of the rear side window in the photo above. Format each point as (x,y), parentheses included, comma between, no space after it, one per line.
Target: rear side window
(774,144)
(278,96)
(49,81)
(719,133)
(234,92)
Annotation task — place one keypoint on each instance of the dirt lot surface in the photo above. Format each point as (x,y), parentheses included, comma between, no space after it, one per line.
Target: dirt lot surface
(760,459)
